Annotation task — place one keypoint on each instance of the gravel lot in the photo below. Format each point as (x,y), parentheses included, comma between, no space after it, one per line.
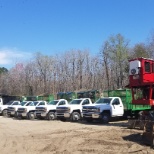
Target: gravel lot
(56,137)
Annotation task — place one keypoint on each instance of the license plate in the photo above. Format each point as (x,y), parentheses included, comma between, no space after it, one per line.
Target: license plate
(95,115)
(66,115)
(19,114)
(43,114)
(24,114)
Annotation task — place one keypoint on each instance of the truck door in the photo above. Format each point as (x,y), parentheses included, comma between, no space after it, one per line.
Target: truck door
(117,108)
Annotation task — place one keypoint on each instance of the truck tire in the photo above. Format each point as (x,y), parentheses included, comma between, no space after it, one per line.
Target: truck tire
(4,113)
(51,116)
(31,116)
(75,116)
(105,118)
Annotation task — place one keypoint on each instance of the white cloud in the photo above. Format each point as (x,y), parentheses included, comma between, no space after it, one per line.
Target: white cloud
(10,57)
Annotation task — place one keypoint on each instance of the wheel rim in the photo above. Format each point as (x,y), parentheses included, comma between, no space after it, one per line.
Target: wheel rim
(51,116)
(31,116)
(5,113)
(76,117)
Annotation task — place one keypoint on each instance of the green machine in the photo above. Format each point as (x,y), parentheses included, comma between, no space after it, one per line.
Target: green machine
(61,95)
(47,98)
(70,96)
(67,95)
(92,94)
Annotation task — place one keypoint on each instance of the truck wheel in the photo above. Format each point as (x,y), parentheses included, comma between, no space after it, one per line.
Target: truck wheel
(4,113)
(105,118)
(51,116)
(31,116)
(75,116)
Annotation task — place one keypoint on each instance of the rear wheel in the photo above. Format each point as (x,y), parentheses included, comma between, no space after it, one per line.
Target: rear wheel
(105,118)
(31,116)
(75,116)
(51,116)
(4,113)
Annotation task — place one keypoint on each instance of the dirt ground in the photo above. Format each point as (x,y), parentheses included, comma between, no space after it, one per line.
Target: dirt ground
(56,137)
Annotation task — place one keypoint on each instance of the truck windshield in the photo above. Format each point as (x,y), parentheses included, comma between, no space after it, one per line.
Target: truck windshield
(9,103)
(33,103)
(23,103)
(53,103)
(75,101)
(103,101)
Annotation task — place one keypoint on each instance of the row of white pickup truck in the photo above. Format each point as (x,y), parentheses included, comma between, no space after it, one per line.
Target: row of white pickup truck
(103,109)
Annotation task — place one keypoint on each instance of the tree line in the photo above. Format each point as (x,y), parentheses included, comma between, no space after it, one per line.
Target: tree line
(75,70)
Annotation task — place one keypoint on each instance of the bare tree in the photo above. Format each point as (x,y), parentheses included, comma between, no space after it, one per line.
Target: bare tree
(115,53)
(44,65)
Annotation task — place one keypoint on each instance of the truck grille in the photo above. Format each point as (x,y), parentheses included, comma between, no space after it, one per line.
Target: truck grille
(62,109)
(11,109)
(40,109)
(21,110)
(89,109)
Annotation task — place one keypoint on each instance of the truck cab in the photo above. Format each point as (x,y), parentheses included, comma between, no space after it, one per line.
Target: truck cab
(48,111)
(103,109)
(12,109)
(29,111)
(4,108)
(73,110)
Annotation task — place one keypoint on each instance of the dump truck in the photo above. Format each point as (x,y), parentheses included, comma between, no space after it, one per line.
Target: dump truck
(4,108)
(28,112)
(72,111)
(115,103)
(48,111)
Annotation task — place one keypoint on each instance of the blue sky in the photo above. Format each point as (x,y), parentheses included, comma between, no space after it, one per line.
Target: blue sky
(56,26)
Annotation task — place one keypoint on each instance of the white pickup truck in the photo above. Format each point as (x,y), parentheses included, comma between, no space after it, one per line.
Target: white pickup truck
(73,110)
(12,109)
(28,112)
(48,111)
(4,108)
(103,109)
